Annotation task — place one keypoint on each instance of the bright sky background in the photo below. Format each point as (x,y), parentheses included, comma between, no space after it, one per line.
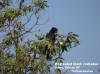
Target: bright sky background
(81,17)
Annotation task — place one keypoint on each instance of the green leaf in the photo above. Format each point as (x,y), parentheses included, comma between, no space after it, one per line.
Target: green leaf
(32,1)
(39,32)
(76,42)
(76,35)
(57,71)
(37,36)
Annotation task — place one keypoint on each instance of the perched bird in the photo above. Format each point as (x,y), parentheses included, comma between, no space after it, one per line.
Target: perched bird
(51,36)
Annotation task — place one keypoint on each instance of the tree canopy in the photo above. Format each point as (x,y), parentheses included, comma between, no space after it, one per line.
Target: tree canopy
(20,56)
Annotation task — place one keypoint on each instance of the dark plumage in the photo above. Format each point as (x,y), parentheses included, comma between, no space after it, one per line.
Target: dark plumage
(52,38)
(52,34)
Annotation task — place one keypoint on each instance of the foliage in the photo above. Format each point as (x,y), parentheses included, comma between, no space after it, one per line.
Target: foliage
(21,56)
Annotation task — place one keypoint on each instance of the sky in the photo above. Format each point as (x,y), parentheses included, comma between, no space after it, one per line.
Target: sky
(81,17)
